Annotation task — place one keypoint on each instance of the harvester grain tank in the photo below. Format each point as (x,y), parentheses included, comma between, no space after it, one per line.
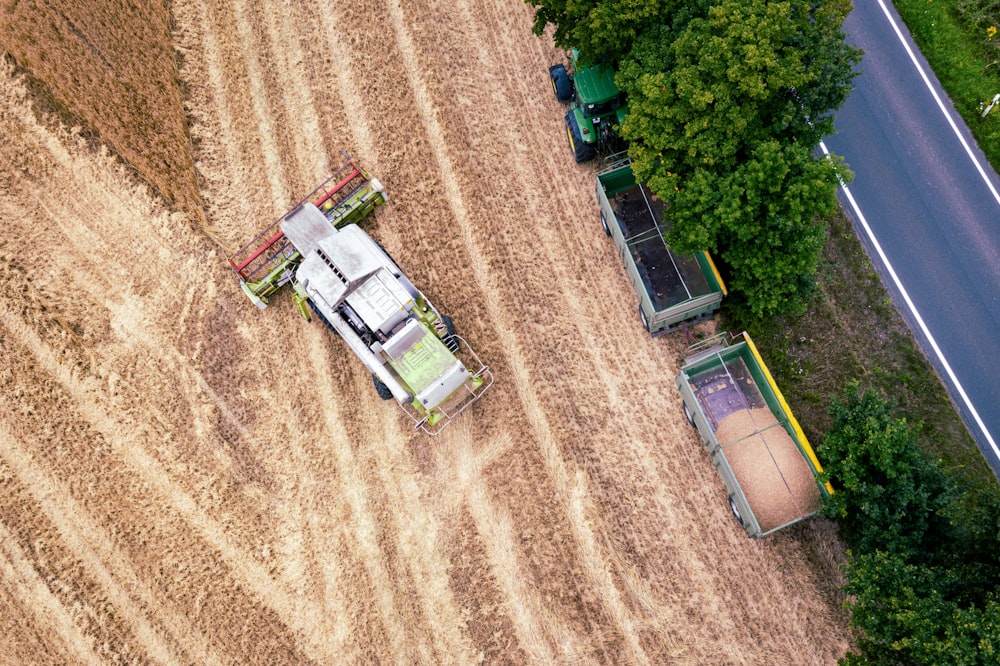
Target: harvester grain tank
(765,461)
(343,276)
(674,290)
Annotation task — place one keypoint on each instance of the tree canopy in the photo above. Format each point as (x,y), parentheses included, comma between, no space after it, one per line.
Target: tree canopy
(749,71)
(905,618)
(762,220)
(893,496)
(923,576)
(727,99)
(603,30)
(724,113)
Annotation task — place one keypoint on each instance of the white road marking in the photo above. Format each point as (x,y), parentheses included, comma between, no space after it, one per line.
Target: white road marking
(916,315)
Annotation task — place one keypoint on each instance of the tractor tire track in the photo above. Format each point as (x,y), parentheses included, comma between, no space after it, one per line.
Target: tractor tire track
(83,536)
(536,416)
(194,480)
(558,470)
(152,475)
(27,594)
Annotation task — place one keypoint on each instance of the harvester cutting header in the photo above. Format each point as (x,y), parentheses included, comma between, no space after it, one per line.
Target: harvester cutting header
(345,277)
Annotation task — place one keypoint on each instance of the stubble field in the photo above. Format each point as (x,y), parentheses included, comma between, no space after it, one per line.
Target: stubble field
(186,479)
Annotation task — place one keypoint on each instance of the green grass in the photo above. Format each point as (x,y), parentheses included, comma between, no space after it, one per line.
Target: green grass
(852,330)
(955,37)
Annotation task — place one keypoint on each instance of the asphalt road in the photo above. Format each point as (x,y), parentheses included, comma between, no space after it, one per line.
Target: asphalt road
(924,201)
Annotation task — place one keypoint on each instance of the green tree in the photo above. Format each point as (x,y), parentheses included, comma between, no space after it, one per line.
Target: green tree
(603,30)
(761,220)
(891,496)
(973,552)
(721,104)
(905,619)
(705,93)
(923,570)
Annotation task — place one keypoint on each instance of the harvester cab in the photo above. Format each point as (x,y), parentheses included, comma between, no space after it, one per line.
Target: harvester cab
(268,262)
(342,275)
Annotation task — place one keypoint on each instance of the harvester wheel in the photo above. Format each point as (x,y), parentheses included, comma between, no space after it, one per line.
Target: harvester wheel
(562,85)
(450,340)
(381,388)
(582,151)
(319,314)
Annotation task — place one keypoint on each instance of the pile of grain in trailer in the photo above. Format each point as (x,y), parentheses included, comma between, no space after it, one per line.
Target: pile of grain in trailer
(775,477)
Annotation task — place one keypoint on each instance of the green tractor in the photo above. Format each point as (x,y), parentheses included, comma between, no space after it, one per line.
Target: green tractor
(596,107)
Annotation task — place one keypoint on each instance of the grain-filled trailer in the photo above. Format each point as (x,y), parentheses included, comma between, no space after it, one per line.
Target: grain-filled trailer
(768,467)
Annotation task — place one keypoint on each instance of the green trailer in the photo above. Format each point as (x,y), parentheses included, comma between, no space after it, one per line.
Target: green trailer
(766,463)
(674,290)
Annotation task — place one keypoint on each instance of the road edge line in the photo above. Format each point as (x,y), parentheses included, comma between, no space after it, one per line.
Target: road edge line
(937,98)
(913,311)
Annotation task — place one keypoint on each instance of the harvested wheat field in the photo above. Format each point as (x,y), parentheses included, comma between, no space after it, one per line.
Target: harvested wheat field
(185,479)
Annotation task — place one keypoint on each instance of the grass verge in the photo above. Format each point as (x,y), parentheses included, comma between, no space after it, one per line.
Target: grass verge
(853,330)
(956,39)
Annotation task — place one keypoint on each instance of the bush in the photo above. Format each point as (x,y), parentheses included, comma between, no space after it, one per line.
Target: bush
(891,494)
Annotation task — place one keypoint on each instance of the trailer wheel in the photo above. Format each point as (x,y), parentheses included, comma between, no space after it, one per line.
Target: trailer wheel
(689,415)
(604,224)
(736,511)
(645,322)
(380,387)
(582,151)
(562,85)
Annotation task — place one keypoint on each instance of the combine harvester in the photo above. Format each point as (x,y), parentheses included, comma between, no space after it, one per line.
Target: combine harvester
(346,278)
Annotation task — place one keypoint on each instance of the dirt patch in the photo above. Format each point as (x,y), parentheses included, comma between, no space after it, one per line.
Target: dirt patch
(111,66)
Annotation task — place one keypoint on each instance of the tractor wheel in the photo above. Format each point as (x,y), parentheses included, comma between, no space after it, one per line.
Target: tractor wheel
(582,151)
(381,388)
(562,85)
(604,224)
